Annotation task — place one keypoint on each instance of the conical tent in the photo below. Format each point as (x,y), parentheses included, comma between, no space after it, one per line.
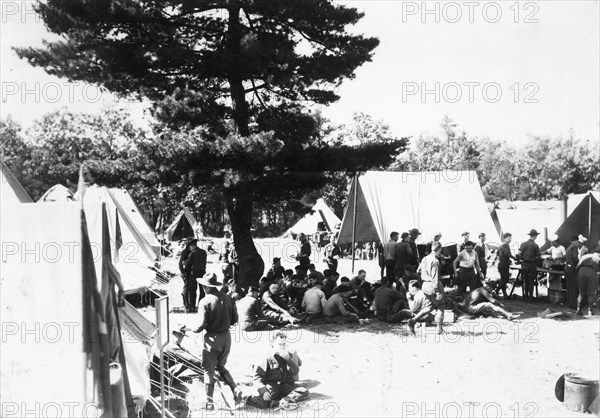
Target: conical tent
(584,220)
(309,224)
(184,226)
(573,200)
(11,191)
(449,202)
(57,193)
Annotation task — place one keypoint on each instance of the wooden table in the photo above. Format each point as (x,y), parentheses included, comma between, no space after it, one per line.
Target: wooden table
(541,272)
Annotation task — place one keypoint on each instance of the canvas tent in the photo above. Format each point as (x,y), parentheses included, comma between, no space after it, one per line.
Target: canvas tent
(11,191)
(133,212)
(520,221)
(57,193)
(446,201)
(320,218)
(59,318)
(184,226)
(584,220)
(573,200)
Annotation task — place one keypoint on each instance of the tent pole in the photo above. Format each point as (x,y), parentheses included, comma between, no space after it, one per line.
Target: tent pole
(590,217)
(354,221)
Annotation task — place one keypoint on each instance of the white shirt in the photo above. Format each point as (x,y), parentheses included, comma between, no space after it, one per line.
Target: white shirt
(558,252)
(314,300)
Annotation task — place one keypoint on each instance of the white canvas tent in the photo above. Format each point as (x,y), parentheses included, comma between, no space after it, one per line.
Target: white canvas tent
(446,201)
(520,221)
(57,193)
(11,191)
(309,224)
(573,200)
(133,212)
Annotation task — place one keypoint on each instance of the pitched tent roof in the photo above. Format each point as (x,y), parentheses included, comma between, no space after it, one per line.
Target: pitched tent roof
(184,226)
(11,191)
(309,224)
(133,256)
(49,289)
(574,199)
(520,221)
(57,193)
(446,201)
(129,206)
(585,220)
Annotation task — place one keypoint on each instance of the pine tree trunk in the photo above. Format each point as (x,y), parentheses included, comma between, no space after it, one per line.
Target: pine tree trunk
(250,264)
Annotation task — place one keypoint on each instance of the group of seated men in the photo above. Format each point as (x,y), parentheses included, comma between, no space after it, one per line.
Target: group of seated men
(287,297)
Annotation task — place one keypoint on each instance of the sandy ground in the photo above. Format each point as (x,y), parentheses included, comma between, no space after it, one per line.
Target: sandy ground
(485,367)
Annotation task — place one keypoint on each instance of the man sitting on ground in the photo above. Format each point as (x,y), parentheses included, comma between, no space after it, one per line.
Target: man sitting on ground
(276,271)
(275,308)
(275,377)
(335,307)
(312,270)
(481,302)
(314,300)
(329,282)
(419,304)
(387,300)
(250,313)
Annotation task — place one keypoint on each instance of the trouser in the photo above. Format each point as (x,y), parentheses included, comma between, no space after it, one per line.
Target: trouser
(529,272)
(270,394)
(390,273)
(483,266)
(587,280)
(332,265)
(467,277)
(572,286)
(504,270)
(399,274)
(406,314)
(258,325)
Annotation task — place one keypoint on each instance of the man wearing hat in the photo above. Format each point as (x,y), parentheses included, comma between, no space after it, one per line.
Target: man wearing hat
(465,237)
(217,314)
(529,252)
(177,355)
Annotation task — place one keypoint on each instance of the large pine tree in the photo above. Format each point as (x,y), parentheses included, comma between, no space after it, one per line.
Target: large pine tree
(230,82)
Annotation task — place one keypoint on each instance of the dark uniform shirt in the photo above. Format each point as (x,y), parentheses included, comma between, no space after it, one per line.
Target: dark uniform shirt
(504,253)
(384,299)
(530,251)
(404,255)
(572,257)
(249,310)
(196,262)
(217,312)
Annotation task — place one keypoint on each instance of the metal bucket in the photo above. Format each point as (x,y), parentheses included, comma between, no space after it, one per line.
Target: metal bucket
(579,392)
(557,296)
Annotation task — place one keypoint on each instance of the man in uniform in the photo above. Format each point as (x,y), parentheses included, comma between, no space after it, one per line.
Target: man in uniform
(404,257)
(571,260)
(483,253)
(530,254)
(217,314)
(504,255)
(303,256)
(416,259)
(195,267)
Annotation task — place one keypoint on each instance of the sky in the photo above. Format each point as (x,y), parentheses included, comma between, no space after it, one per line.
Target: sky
(503,70)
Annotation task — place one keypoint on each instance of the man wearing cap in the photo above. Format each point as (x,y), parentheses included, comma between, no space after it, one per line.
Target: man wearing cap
(504,255)
(177,355)
(465,237)
(436,238)
(217,314)
(416,259)
(583,249)
(389,253)
(195,267)
(250,313)
(403,257)
(465,266)
(529,252)
(483,253)
(276,272)
(571,260)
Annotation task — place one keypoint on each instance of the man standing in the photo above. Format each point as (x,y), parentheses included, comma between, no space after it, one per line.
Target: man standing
(404,257)
(185,253)
(389,252)
(303,256)
(483,253)
(530,254)
(469,264)
(587,280)
(217,315)
(333,253)
(416,259)
(436,238)
(195,268)
(432,285)
(504,255)
(465,237)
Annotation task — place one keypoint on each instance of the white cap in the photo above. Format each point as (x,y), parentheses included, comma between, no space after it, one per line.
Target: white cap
(582,238)
(553,238)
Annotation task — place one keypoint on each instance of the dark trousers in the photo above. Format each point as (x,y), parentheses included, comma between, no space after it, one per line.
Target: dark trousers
(529,273)
(332,265)
(587,280)
(483,266)
(572,287)
(467,277)
(504,270)
(390,265)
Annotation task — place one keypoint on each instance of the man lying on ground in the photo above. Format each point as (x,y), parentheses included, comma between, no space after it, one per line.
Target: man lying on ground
(335,307)
(481,302)
(275,377)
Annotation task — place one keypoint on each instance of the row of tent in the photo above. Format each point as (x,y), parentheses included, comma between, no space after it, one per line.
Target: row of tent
(63,257)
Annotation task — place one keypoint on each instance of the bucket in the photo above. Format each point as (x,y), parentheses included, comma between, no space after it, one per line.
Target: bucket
(557,295)
(579,392)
